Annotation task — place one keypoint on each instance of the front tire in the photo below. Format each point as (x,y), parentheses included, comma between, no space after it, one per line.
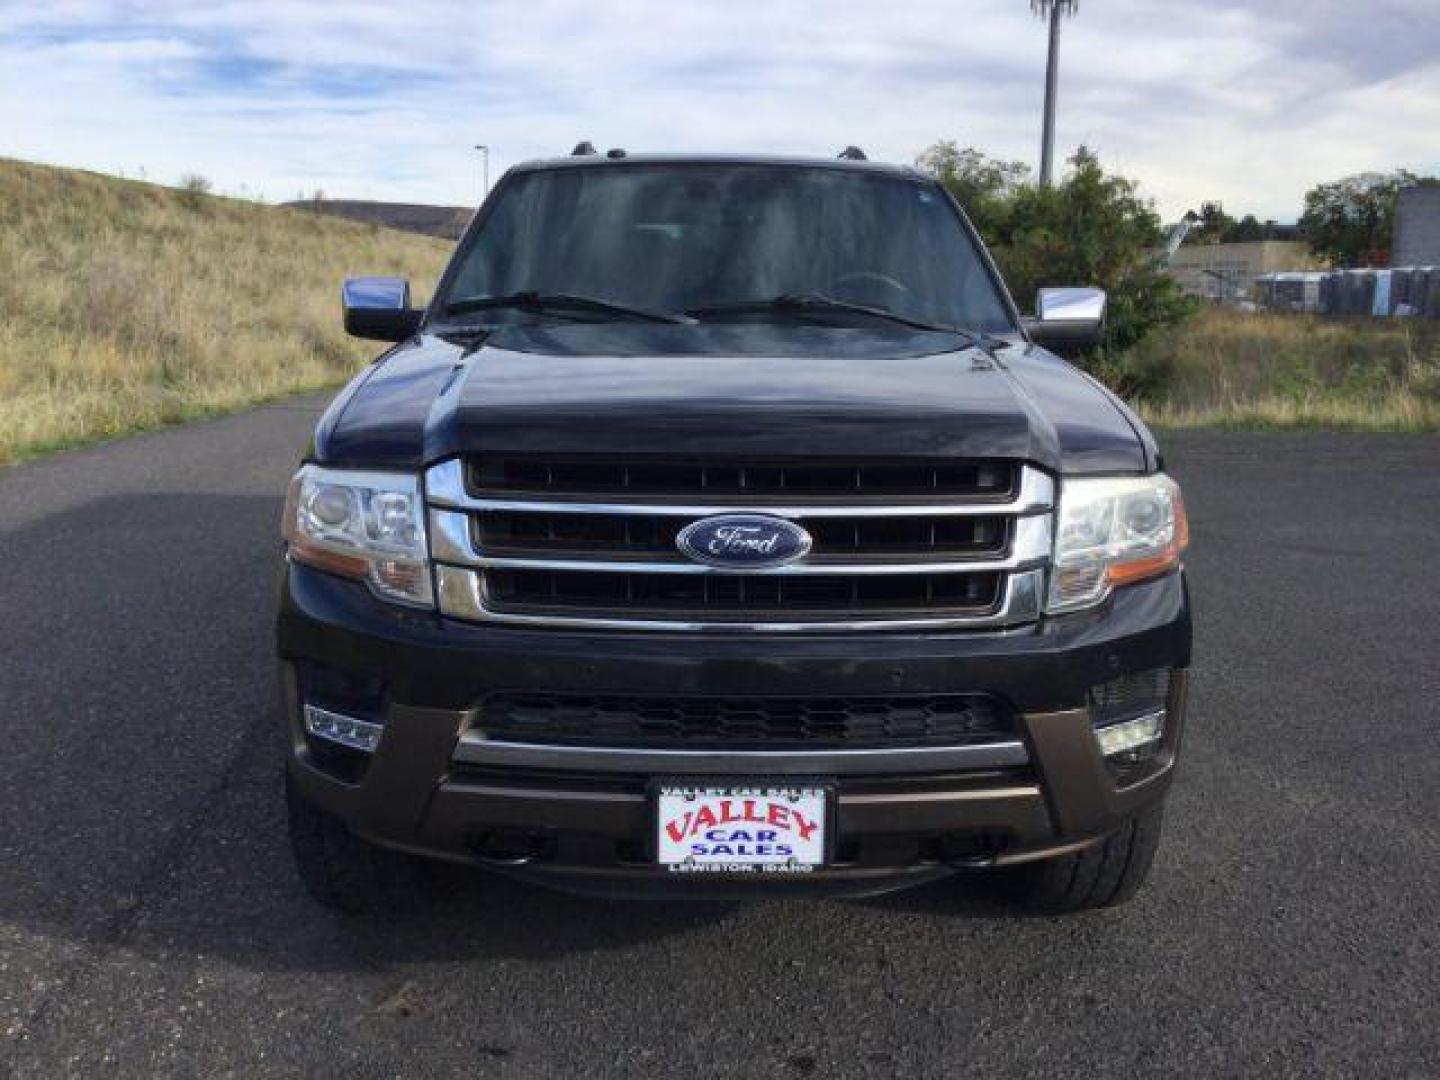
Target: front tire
(344,872)
(1101,876)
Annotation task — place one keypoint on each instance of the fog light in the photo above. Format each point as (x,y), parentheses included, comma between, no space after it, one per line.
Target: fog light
(345,730)
(1131,734)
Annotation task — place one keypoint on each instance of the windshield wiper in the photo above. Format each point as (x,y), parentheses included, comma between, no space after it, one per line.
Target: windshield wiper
(536,300)
(818,302)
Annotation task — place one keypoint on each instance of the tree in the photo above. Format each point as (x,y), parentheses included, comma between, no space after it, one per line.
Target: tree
(1352,221)
(1213,226)
(1218,227)
(1246,231)
(1092,228)
(982,185)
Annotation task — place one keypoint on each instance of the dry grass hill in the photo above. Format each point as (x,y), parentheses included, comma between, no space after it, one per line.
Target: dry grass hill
(126,305)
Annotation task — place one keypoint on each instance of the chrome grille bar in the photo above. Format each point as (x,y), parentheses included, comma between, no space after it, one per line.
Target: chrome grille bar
(445,486)
(451,542)
(475,749)
(462,596)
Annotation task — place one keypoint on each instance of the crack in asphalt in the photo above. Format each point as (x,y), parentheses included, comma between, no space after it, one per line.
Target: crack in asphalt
(109,932)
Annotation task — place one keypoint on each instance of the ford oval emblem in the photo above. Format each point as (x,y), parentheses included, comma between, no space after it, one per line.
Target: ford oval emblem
(743,541)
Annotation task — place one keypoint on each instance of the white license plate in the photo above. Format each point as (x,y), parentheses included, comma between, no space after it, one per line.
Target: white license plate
(739,828)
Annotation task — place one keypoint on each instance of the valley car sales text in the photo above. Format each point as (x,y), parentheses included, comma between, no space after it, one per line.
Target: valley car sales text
(743,828)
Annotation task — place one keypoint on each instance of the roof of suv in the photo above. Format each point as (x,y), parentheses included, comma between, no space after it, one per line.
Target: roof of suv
(600,160)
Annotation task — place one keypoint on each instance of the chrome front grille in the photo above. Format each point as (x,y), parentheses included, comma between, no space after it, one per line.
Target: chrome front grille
(592,544)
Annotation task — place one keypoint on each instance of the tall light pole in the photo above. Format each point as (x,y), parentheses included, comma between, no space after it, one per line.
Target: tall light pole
(485,166)
(1054,10)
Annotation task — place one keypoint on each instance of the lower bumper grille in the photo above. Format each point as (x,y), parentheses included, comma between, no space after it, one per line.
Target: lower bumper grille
(735,723)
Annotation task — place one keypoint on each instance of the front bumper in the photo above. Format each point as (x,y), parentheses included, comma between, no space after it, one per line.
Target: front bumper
(585,821)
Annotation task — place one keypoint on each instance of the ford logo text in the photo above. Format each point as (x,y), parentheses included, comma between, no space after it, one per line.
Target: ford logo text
(743,541)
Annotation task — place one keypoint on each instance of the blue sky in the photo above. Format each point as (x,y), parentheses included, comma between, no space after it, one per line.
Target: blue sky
(1247,101)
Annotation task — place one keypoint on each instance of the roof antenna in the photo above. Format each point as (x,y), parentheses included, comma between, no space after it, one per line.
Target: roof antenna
(853,153)
(583,149)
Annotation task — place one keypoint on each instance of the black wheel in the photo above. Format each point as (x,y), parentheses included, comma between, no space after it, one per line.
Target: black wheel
(1100,876)
(344,872)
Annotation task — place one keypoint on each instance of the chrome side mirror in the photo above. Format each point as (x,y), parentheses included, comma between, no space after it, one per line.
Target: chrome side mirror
(1068,320)
(379,308)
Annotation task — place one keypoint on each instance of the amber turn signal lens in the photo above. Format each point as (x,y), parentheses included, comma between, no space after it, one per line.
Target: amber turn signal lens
(333,561)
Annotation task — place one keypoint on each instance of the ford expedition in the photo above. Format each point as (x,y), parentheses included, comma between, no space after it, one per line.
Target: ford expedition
(720,526)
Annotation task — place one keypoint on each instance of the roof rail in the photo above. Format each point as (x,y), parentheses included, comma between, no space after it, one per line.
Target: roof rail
(853,153)
(583,149)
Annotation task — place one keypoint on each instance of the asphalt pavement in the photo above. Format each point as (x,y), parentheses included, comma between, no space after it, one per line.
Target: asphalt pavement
(151,923)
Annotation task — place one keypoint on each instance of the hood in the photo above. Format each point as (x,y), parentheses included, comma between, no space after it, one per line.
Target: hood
(731,390)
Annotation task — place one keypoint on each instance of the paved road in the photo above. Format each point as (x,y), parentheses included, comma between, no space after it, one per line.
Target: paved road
(150,923)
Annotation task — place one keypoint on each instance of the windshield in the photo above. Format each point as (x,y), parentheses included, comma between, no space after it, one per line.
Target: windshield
(699,237)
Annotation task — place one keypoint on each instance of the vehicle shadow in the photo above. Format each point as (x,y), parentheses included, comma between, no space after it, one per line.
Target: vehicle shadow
(976,895)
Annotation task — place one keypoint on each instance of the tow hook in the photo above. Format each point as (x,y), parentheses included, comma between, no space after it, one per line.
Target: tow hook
(510,848)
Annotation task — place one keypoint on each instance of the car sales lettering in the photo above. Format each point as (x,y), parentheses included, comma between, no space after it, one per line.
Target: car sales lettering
(742,827)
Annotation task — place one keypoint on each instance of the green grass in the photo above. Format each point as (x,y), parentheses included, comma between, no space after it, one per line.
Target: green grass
(1269,371)
(126,306)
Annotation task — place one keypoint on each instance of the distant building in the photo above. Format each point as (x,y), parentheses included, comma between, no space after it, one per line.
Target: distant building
(1229,271)
(446,222)
(1417,227)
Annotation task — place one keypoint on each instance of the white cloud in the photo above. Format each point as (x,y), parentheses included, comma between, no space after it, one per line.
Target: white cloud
(1250,103)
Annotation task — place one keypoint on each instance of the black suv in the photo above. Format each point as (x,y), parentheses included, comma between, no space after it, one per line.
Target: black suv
(721,527)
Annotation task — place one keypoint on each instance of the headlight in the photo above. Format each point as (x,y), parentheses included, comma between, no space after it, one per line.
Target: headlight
(366,525)
(1113,532)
